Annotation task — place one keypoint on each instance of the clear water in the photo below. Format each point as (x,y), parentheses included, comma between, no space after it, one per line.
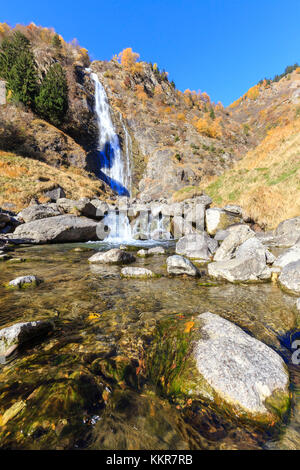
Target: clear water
(66,381)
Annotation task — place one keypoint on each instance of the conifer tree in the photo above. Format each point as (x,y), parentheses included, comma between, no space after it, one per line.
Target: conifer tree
(18,68)
(52,100)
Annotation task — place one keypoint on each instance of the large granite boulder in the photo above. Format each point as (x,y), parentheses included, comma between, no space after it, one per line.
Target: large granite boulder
(81,207)
(60,229)
(38,211)
(20,333)
(177,264)
(242,372)
(253,248)
(113,256)
(220,219)
(240,270)
(288,232)
(198,246)
(237,236)
(289,278)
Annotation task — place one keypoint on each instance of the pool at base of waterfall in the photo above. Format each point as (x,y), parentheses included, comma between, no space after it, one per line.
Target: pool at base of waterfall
(89,384)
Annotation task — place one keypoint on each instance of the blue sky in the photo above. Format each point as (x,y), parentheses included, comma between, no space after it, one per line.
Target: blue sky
(219,46)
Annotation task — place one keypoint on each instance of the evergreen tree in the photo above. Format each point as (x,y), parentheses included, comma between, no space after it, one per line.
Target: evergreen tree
(52,100)
(18,68)
(212,113)
(56,42)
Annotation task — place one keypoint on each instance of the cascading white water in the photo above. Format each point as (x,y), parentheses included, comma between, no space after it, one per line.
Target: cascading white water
(112,161)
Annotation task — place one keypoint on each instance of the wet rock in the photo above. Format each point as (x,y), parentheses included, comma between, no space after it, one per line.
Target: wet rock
(4,257)
(240,270)
(114,256)
(9,414)
(142,253)
(25,281)
(20,333)
(136,272)
(236,237)
(289,256)
(289,278)
(218,219)
(243,372)
(197,246)
(288,232)
(180,227)
(156,250)
(177,264)
(38,211)
(63,228)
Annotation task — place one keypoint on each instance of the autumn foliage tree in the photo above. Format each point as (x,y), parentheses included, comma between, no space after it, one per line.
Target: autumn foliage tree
(128,60)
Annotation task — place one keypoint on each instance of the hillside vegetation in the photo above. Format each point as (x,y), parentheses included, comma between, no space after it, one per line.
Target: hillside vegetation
(22,179)
(266,182)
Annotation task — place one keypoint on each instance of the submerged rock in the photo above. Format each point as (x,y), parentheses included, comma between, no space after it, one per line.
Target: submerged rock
(25,281)
(113,256)
(197,246)
(289,278)
(156,250)
(242,371)
(136,272)
(63,228)
(20,333)
(240,270)
(177,264)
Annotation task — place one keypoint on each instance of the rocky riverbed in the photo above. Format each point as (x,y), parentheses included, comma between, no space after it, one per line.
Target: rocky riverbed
(106,374)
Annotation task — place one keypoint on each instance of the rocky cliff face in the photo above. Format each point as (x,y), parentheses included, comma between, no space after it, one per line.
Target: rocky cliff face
(168,152)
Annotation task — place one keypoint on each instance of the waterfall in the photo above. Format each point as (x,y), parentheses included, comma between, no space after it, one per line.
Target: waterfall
(120,229)
(114,170)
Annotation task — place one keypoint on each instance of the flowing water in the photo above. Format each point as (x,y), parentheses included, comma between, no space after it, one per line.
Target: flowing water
(86,384)
(115,168)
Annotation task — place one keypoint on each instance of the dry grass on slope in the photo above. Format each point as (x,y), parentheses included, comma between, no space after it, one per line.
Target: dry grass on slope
(266,182)
(21,179)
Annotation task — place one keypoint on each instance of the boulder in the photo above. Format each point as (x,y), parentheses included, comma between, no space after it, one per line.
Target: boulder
(240,270)
(55,193)
(236,237)
(177,264)
(113,256)
(136,272)
(20,333)
(83,207)
(180,227)
(38,211)
(253,248)
(25,281)
(198,246)
(156,250)
(244,373)
(195,214)
(60,229)
(288,232)
(289,278)
(218,219)
(289,256)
